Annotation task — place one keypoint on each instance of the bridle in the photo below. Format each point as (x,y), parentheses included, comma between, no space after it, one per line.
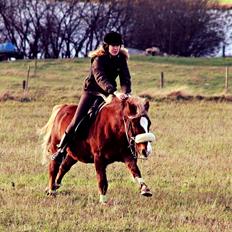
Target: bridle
(134,139)
(130,139)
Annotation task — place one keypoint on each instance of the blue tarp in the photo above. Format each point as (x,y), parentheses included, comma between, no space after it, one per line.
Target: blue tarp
(7,47)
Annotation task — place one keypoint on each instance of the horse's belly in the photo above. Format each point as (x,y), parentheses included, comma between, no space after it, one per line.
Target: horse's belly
(81,156)
(85,159)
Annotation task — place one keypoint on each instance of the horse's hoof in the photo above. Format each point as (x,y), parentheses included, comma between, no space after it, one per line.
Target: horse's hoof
(103,199)
(104,203)
(50,192)
(57,186)
(46,190)
(145,191)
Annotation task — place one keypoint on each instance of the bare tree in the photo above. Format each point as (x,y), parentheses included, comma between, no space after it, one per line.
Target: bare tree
(10,22)
(99,17)
(225,16)
(22,20)
(179,27)
(34,16)
(72,26)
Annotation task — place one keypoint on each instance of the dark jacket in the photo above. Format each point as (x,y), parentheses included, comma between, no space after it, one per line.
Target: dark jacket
(104,71)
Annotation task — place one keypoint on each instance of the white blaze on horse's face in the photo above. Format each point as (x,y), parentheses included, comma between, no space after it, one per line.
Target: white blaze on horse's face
(144,124)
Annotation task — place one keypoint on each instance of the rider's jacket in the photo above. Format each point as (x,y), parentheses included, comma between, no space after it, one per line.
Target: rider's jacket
(104,71)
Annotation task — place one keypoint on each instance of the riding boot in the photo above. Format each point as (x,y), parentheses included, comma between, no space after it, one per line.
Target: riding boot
(61,153)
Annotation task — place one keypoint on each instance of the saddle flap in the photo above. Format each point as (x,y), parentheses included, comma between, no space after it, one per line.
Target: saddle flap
(82,129)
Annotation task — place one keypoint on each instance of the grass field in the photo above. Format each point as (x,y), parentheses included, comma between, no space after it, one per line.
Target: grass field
(225,1)
(190,171)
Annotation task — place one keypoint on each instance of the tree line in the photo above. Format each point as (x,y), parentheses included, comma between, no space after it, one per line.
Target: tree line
(72,28)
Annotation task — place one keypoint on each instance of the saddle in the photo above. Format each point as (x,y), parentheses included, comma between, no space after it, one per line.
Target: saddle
(82,129)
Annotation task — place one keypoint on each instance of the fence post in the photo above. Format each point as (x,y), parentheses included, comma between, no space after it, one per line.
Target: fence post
(161,80)
(28,75)
(35,67)
(24,85)
(226,79)
(26,82)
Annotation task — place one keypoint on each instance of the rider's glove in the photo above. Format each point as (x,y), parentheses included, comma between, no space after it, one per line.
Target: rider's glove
(121,96)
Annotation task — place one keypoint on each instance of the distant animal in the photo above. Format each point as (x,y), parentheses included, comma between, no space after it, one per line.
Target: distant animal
(154,51)
(120,132)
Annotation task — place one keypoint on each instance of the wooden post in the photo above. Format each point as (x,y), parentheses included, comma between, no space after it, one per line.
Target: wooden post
(24,85)
(28,75)
(35,68)
(161,80)
(226,78)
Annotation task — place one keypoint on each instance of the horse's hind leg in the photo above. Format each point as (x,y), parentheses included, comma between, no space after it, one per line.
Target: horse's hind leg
(64,168)
(53,169)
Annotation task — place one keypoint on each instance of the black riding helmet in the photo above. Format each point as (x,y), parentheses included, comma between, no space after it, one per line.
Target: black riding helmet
(113,38)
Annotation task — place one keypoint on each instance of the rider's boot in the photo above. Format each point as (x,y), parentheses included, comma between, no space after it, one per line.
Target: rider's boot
(61,153)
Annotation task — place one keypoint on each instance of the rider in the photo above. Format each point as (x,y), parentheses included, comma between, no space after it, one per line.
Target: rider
(107,62)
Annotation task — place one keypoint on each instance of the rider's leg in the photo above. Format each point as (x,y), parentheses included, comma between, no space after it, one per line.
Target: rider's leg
(86,101)
(60,154)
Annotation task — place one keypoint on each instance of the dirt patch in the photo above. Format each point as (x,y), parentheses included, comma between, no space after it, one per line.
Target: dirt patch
(9,96)
(181,96)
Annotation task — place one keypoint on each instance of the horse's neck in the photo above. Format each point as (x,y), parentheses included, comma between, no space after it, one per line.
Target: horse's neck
(109,117)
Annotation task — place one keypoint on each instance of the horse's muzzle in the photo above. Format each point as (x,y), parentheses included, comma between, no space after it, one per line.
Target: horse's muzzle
(143,150)
(143,142)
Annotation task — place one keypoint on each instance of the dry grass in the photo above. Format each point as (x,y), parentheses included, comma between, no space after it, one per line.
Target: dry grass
(189,171)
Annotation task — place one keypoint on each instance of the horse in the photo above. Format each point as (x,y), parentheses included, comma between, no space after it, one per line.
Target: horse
(120,132)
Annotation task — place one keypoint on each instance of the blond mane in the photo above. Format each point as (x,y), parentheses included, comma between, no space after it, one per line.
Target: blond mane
(139,102)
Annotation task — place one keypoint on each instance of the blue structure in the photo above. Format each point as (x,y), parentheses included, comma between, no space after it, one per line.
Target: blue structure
(8,51)
(7,47)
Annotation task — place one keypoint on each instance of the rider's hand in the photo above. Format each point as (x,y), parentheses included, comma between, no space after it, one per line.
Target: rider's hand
(121,96)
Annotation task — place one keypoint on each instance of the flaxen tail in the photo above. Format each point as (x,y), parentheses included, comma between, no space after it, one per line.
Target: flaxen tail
(45,133)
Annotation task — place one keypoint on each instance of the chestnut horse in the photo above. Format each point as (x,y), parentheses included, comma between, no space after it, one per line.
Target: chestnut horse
(120,132)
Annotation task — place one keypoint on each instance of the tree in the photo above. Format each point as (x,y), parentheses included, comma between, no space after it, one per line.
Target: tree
(99,17)
(22,21)
(225,16)
(60,28)
(52,28)
(177,27)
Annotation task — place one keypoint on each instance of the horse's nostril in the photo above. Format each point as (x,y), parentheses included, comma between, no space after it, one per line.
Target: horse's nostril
(144,152)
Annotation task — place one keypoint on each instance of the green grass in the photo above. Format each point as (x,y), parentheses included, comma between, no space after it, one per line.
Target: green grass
(185,61)
(202,76)
(189,172)
(225,1)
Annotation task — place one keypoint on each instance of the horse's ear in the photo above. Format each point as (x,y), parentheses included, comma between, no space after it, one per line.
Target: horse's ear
(146,105)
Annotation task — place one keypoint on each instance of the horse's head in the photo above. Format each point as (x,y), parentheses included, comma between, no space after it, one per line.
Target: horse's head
(137,125)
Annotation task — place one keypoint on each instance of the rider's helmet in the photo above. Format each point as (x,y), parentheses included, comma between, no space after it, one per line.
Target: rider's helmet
(113,38)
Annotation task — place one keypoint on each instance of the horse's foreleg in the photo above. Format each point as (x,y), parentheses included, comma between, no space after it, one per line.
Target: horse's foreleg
(64,168)
(102,179)
(133,167)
